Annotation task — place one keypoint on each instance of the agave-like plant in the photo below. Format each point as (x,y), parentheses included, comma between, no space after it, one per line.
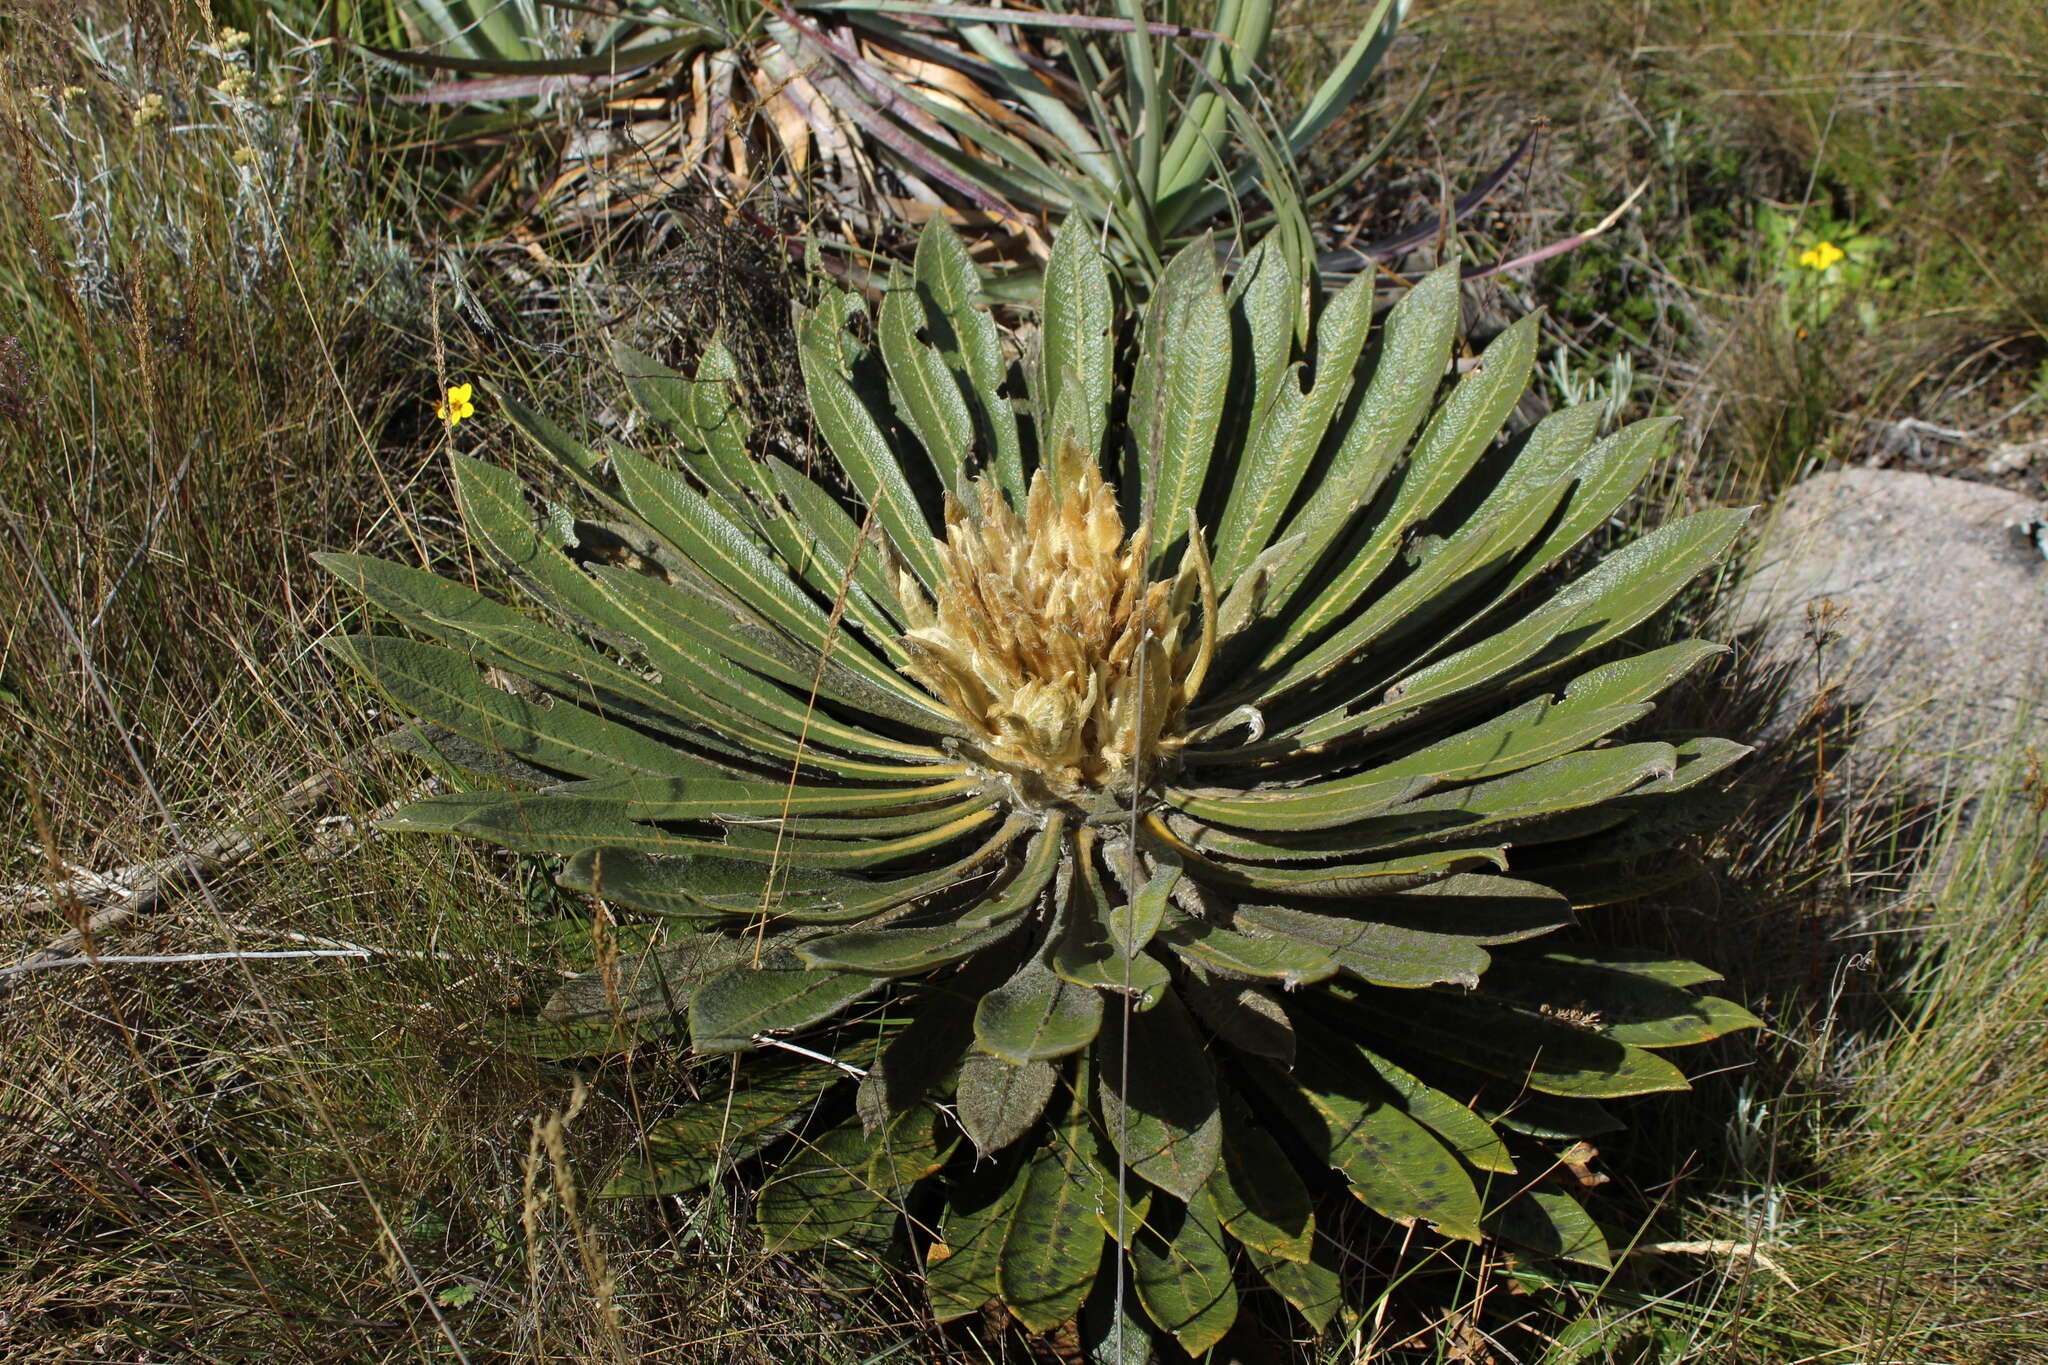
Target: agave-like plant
(1138,860)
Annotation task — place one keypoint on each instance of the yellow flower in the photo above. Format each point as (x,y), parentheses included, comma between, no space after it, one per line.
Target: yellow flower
(1822,257)
(456,405)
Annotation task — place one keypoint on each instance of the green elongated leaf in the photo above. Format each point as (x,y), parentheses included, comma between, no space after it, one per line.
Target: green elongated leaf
(963,1266)
(1621,592)
(1626,682)
(1288,430)
(1698,760)
(442,686)
(728,463)
(710,714)
(1359,879)
(667,397)
(729,557)
(966,335)
(1245,603)
(1415,347)
(919,1058)
(719,701)
(1521,1047)
(676,627)
(1528,735)
(900,952)
(724,798)
(1074,354)
(685,1150)
(1177,397)
(1470,559)
(719,419)
(543,823)
(1257,1193)
(1041,860)
(581,463)
(908,1150)
(770,887)
(1552,1223)
(752,840)
(569,1042)
(1054,1245)
(926,393)
(1036,1014)
(1467,1134)
(1588,777)
(997,1101)
(1161,1116)
(423,600)
(1384,954)
(1348,76)
(647,984)
(845,1182)
(1084,952)
(1312,1287)
(1112,1332)
(1473,813)
(838,550)
(1182,1272)
(1267,315)
(1096,966)
(1641,677)
(1230,62)
(1292,962)
(1606,477)
(1645,963)
(1316,805)
(699,645)
(858,444)
(1456,437)
(445,812)
(495,510)
(1132,924)
(1243,1015)
(1634,1009)
(705,888)
(779,995)
(1395,1166)
(1557,449)
(1554,1118)
(1122,1202)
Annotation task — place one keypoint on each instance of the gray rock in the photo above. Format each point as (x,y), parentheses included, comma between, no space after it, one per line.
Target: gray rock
(1923,602)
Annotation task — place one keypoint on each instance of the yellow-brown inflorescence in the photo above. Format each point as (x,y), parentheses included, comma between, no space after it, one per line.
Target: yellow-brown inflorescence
(1070,669)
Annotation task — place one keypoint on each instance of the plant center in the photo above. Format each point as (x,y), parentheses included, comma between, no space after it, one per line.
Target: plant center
(1069,668)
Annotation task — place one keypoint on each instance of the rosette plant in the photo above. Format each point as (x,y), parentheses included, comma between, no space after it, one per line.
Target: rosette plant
(1152,778)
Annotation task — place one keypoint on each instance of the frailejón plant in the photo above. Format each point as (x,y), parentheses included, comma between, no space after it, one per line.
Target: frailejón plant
(1155,802)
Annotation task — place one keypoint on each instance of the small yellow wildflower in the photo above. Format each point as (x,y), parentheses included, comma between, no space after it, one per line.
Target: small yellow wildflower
(246,156)
(236,83)
(232,40)
(1822,257)
(73,92)
(456,405)
(150,109)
